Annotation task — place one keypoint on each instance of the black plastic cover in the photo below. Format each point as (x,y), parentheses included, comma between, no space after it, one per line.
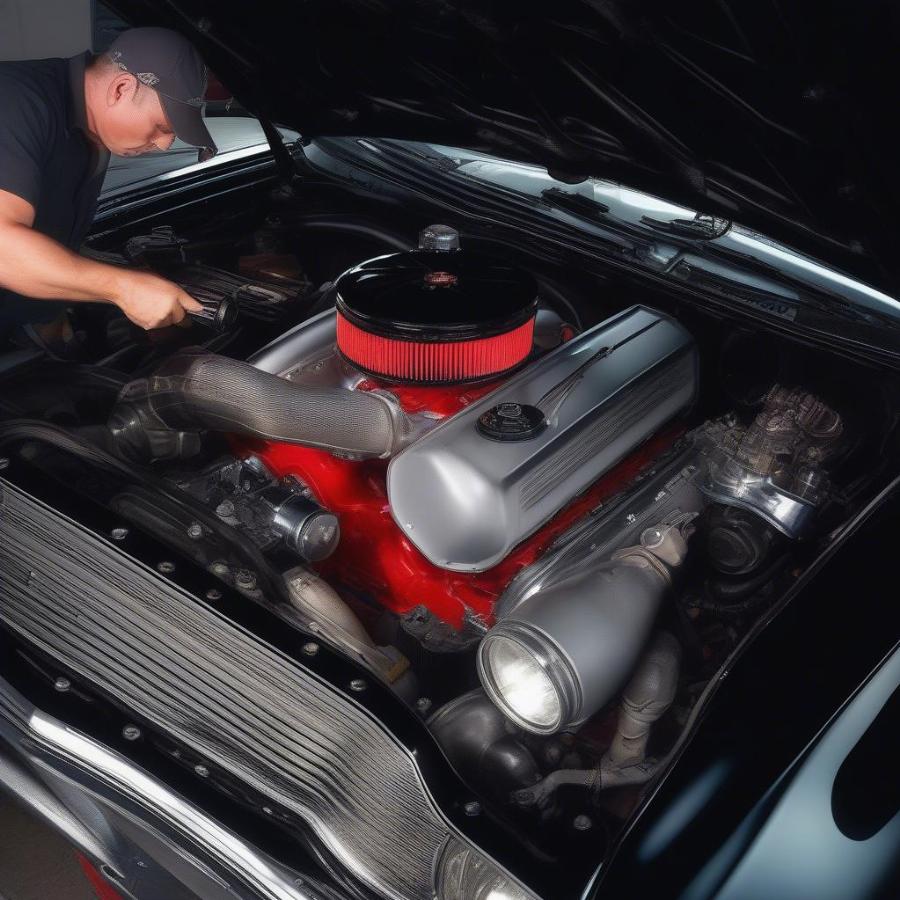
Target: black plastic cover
(426,295)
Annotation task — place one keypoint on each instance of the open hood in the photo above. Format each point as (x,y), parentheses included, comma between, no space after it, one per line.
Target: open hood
(775,115)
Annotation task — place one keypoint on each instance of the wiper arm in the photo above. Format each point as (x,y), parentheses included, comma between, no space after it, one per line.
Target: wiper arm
(432,157)
(701,227)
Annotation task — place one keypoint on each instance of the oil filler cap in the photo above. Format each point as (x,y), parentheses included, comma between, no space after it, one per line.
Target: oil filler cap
(439,238)
(511,422)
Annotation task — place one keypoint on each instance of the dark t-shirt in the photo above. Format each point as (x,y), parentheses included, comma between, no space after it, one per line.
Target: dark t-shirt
(47,159)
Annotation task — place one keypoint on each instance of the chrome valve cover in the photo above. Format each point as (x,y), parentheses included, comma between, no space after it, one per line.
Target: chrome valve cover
(475,486)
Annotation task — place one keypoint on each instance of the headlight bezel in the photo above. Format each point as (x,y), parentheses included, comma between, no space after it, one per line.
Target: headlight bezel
(552,662)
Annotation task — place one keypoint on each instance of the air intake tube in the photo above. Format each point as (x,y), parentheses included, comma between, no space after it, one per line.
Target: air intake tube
(161,417)
(566,651)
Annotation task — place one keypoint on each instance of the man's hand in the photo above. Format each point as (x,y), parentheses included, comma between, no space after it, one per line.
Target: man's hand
(35,265)
(151,301)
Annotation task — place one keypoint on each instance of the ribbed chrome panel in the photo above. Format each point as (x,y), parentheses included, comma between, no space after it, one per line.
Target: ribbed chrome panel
(234,699)
(635,404)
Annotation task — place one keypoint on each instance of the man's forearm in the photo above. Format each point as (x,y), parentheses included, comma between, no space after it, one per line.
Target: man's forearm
(34,265)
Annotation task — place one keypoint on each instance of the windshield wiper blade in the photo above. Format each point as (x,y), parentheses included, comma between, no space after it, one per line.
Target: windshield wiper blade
(573,203)
(804,299)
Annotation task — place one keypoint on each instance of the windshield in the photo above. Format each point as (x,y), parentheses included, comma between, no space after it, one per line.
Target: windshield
(712,255)
(624,203)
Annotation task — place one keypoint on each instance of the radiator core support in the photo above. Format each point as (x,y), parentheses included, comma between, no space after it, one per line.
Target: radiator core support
(215,687)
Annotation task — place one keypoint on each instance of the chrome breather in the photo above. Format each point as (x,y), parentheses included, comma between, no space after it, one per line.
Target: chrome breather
(306,527)
(238,702)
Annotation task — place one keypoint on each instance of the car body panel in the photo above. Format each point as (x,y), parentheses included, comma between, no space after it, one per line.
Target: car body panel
(794,702)
(813,674)
(147,840)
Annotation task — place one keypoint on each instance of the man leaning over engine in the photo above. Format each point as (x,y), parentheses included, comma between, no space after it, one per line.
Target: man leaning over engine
(60,119)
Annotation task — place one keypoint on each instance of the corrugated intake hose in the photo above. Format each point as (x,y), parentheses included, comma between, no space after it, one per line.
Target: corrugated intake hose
(159,417)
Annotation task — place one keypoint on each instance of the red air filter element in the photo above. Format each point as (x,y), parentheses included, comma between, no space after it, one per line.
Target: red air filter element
(453,361)
(436,315)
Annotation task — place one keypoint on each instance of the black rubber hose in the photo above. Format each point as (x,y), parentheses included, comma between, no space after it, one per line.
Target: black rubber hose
(727,596)
(30,429)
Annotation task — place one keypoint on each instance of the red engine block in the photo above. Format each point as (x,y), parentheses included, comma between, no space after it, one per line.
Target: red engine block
(376,561)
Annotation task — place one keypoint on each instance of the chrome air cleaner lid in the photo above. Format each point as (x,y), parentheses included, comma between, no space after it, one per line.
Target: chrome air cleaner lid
(437,314)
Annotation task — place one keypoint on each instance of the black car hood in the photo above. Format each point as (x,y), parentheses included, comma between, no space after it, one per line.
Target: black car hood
(778,116)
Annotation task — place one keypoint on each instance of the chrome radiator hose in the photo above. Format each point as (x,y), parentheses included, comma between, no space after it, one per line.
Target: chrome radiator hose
(578,640)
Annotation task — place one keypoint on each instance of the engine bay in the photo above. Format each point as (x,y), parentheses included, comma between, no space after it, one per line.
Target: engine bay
(545,536)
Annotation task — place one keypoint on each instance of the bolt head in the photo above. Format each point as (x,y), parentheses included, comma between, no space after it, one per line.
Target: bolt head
(245,579)
(62,684)
(310,648)
(220,569)
(201,770)
(423,704)
(167,567)
(213,594)
(225,509)
(472,808)
(195,531)
(131,732)
(553,754)
(582,823)
(358,685)
(119,534)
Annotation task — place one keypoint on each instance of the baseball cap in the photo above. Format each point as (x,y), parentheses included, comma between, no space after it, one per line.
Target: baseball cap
(167,62)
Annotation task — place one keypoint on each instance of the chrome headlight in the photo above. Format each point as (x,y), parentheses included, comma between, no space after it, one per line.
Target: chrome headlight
(464,872)
(528,678)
